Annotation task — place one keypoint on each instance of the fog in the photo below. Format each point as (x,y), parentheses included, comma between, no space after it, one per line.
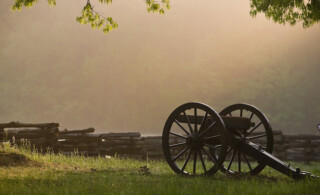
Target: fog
(53,69)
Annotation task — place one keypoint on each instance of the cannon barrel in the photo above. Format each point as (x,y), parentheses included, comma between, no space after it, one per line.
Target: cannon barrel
(232,123)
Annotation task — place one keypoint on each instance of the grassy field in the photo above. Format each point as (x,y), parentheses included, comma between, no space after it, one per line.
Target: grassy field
(25,172)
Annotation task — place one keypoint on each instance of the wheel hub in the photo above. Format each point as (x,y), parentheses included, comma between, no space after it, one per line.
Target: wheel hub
(194,141)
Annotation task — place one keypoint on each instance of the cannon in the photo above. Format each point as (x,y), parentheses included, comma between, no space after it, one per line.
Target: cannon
(197,140)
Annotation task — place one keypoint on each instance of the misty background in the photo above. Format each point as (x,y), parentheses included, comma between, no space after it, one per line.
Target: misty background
(53,69)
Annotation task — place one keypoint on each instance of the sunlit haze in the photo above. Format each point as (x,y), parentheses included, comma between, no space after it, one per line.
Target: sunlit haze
(54,69)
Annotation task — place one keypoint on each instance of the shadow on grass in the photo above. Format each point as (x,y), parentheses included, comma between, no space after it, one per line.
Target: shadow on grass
(9,159)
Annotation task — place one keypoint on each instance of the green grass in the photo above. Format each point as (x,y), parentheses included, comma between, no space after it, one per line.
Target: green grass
(58,174)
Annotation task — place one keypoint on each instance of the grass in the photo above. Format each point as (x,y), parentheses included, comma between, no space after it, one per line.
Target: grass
(59,174)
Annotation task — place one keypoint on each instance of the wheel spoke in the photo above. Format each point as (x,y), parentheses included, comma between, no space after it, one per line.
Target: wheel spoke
(189,124)
(239,161)
(178,144)
(195,120)
(203,120)
(203,164)
(186,162)
(194,161)
(232,157)
(178,155)
(210,146)
(181,127)
(212,137)
(216,147)
(206,131)
(254,128)
(214,159)
(245,158)
(256,136)
(178,135)
(251,115)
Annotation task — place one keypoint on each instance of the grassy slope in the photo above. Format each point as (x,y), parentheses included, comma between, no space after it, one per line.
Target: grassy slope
(55,174)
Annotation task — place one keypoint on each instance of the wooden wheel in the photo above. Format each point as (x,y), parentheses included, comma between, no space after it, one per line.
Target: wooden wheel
(260,133)
(190,133)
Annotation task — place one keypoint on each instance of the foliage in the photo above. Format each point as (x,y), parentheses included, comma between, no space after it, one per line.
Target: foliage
(288,11)
(95,19)
(89,16)
(105,1)
(18,4)
(157,6)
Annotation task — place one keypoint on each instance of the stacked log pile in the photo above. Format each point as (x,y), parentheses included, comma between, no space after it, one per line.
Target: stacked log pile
(85,142)
(82,142)
(43,135)
(122,144)
(302,147)
(153,146)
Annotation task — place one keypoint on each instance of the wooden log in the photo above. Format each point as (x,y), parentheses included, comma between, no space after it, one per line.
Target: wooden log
(36,141)
(79,135)
(302,137)
(88,130)
(18,124)
(59,143)
(298,141)
(79,141)
(294,158)
(152,140)
(295,150)
(21,129)
(123,138)
(112,143)
(280,147)
(53,130)
(152,137)
(139,143)
(316,141)
(131,134)
(24,135)
(302,145)
(316,149)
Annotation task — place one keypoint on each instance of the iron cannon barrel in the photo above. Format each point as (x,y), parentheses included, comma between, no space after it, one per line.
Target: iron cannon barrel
(232,123)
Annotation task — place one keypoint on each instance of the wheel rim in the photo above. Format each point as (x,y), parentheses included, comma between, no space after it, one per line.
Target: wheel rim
(189,133)
(261,133)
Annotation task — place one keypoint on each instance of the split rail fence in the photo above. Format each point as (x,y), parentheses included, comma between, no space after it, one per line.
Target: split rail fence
(47,136)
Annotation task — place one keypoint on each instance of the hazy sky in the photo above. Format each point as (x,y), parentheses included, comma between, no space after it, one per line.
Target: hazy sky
(53,69)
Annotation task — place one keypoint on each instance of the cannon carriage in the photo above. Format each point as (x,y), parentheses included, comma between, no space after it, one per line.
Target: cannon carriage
(197,140)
